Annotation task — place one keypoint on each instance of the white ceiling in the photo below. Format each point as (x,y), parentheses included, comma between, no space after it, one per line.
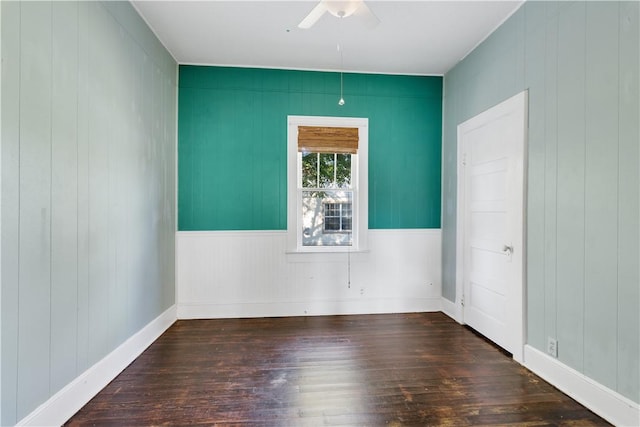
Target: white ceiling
(413,37)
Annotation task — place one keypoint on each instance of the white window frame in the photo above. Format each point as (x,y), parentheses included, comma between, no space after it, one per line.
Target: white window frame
(359,174)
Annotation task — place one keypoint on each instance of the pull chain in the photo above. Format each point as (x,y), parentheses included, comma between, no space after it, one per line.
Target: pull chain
(341,101)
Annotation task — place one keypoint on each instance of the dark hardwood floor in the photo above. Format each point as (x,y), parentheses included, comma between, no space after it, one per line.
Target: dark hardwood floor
(365,370)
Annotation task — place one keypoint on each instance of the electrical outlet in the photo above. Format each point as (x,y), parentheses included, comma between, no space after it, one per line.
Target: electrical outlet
(552,347)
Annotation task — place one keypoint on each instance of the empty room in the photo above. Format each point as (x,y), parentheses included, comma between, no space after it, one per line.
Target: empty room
(320,212)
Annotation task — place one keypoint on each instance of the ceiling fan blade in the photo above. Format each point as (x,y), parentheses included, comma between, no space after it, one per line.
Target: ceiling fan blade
(369,18)
(313,16)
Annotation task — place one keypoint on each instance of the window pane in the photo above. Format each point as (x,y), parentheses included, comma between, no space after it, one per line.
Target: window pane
(332,224)
(309,170)
(327,166)
(326,218)
(346,210)
(337,217)
(343,170)
(326,170)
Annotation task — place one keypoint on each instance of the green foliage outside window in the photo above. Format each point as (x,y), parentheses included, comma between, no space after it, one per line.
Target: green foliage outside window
(326,170)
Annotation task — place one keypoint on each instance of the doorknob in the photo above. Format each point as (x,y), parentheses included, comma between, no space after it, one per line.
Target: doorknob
(507,249)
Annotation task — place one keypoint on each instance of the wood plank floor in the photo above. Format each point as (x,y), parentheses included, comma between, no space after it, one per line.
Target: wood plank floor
(364,370)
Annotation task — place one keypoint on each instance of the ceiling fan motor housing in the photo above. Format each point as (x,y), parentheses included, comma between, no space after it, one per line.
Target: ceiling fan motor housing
(343,9)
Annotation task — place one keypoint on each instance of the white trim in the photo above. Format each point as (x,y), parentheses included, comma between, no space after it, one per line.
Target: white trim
(175,184)
(65,403)
(327,307)
(361,192)
(452,310)
(605,402)
(460,174)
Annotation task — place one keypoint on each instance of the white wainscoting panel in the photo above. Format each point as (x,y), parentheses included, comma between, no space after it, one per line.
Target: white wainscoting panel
(250,274)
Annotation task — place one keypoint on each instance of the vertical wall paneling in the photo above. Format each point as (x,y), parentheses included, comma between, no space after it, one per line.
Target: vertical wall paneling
(35,206)
(82,102)
(146,223)
(581,69)
(449,183)
(117,59)
(137,134)
(601,193)
(146,156)
(145,304)
(170,160)
(570,264)
(88,219)
(10,205)
(0,219)
(550,109)
(131,86)
(628,315)
(64,185)
(241,113)
(535,64)
(99,235)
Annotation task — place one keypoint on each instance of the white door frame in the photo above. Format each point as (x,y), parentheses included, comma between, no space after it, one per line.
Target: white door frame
(519,256)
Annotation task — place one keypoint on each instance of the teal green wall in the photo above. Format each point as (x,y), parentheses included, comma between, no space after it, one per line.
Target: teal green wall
(88,190)
(232,142)
(580,62)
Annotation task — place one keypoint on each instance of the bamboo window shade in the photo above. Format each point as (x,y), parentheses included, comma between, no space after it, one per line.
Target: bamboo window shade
(314,139)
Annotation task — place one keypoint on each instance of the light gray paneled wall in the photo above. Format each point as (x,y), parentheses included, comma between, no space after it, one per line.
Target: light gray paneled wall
(579,61)
(88,190)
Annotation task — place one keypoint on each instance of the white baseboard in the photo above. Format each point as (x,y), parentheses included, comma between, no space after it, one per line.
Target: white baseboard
(605,402)
(452,310)
(308,308)
(65,403)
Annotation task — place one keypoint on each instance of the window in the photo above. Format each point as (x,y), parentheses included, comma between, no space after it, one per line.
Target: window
(337,217)
(327,169)
(327,198)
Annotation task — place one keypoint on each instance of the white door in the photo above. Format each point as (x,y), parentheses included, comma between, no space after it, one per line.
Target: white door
(490,222)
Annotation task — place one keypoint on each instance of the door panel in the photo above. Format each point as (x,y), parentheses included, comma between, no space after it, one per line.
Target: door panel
(492,179)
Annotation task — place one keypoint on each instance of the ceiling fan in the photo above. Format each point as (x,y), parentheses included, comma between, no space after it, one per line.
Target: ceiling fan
(340,9)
